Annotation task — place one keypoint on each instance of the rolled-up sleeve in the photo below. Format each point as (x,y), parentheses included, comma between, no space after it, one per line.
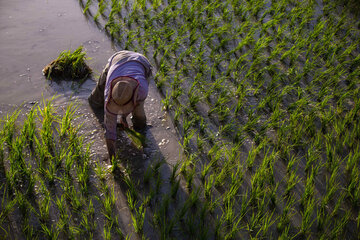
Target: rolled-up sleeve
(110,121)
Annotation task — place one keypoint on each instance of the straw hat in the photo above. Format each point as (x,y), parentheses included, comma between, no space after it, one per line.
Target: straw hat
(123,95)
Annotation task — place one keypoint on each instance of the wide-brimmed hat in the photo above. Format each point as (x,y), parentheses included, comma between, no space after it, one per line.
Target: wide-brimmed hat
(122,95)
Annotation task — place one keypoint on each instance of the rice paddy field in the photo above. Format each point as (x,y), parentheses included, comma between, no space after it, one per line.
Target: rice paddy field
(265,99)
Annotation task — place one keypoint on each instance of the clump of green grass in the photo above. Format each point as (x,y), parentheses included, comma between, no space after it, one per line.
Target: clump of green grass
(69,66)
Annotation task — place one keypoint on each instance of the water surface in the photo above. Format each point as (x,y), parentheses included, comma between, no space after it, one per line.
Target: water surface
(33,33)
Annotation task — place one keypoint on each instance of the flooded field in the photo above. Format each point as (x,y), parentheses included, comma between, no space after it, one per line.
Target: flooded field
(253,114)
(32,35)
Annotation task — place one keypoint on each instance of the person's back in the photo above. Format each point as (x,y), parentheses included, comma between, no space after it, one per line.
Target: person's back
(122,89)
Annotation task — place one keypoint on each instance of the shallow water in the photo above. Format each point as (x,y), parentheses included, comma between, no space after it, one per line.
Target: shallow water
(33,33)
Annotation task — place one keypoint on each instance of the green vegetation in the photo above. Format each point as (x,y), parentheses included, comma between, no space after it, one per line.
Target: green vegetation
(265,98)
(49,187)
(68,66)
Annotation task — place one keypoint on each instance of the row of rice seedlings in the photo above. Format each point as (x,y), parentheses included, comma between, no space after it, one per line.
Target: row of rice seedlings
(47,170)
(7,207)
(264,73)
(141,203)
(138,203)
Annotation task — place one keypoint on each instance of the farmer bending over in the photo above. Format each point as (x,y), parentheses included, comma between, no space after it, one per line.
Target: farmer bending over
(122,89)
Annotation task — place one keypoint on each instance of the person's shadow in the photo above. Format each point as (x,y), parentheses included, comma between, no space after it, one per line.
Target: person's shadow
(145,173)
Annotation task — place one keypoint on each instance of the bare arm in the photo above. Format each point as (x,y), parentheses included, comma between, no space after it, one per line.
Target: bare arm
(111,147)
(110,133)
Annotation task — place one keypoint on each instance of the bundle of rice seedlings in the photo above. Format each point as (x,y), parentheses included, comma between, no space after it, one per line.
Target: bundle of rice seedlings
(68,66)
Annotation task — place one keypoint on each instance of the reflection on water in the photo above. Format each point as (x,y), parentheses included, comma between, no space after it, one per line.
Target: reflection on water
(33,33)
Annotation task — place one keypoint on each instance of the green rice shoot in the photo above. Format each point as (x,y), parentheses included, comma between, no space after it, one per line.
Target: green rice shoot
(69,66)
(265,99)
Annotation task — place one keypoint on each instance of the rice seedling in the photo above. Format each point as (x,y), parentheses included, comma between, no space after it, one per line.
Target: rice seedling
(288,212)
(44,205)
(138,218)
(64,219)
(9,127)
(87,5)
(29,127)
(7,207)
(68,65)
(252,155)
(264,96)
(101,8)
(307,221)
(340,225)
(353,187)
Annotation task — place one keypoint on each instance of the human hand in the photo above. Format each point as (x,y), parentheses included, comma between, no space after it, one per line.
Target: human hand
(123,122)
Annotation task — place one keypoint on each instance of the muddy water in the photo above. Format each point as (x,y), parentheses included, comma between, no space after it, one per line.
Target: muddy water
(33,33)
